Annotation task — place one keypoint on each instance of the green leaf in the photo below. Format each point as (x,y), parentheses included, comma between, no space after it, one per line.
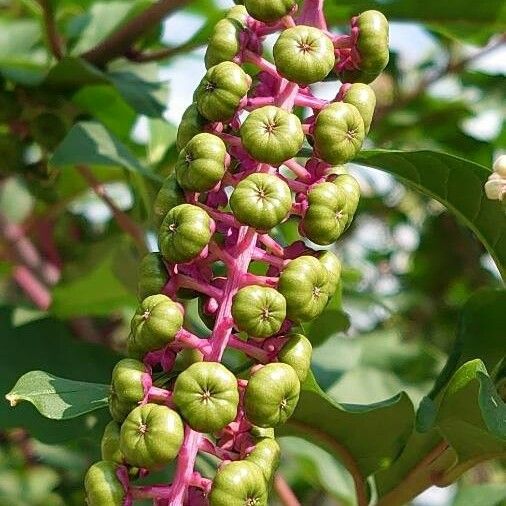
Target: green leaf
(89,143)
(471,414)
(487,494)
(98,293)
(72,73)
(457,18)
(21,58)
(350,431)
(457,183)
(32,347)
(58,398)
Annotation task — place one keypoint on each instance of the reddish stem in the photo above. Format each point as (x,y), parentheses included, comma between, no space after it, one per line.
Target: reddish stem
(261,63)
(199,286)
(309,101)
(249,349)
(37,292)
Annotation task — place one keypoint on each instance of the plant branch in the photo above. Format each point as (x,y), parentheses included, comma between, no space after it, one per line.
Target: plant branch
(431,78)
(34,289)
(122,219)
(345,456)
(160,54)
(119,42)
(25,253)
(53,37)
(284,492)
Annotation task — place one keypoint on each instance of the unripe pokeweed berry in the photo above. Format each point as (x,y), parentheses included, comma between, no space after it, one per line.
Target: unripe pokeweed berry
(184,233)
(326,217)
(192,123)
(302,282)
(117,408)
(363,98)
(258,310)
(207,396)
(271,395)
(155,324)
(221,90)
(153,275)
(261,201)
(266,455)
(224,43)
(349,185)
(338,133)
(151,436)
(129,378)
(272,135)
(109,445)
(372,46)
(269,10)
(499,166)
(332,265)
(304,54)
(201,163)
(296,352)
(170,195)
(238,483)
(102,485)
(239,13)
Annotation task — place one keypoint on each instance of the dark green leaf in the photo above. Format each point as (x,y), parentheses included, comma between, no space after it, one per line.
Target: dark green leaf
(352,429)
(89,143)
(48,343)
(58,398)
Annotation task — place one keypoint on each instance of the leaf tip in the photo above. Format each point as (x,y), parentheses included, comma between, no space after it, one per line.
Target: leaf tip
(13,399)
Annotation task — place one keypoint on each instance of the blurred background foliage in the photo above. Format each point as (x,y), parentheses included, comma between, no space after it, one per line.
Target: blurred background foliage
(409,265)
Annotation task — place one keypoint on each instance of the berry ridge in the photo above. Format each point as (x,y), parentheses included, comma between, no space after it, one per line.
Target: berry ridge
(238,176)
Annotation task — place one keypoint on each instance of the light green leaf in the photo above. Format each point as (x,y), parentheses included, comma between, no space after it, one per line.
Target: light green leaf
(350,431)
(486,494)
(89,143)
(58,398)
(457,183)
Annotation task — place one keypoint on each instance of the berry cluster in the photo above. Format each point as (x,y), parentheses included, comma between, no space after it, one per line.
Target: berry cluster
(237,177)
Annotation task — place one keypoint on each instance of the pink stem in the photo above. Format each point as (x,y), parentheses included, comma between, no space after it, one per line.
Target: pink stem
(160,395)
(229,139)
(150,492)
(185,465)
(255,103)
(300,171)
(209,447)
(296,186)
(308,101)
(249,349)
(199,286)
(226,218)
(286,98)
(260,62)
(271,244)
(312,14)
(246,243)
(37,291)
(252,279)
(186,339)
(263,256)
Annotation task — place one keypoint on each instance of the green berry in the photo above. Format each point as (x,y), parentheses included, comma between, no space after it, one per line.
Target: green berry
(372,46)
(338,133)
(184,233)
(272,135)
(332,265)
(239,483)
(192,123)
(261,201)
(201,163)
(302,282)
(119,409)
(151,436)
(271,395)
(155,324)
(351,189)
(239,13)
(109,444)
(269,10)
(224,43)
(153,275)
(169,196)
(127,380)
(363,98)
(221,90)
(296,352)
(207,397)
(102,485)
(326,216)
(258,310)
(304,54)
(266,455)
